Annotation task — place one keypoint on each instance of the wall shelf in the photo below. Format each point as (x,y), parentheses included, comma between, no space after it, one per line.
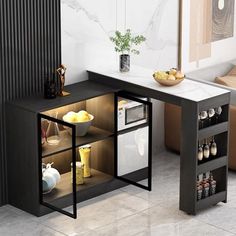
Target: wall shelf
(64,188)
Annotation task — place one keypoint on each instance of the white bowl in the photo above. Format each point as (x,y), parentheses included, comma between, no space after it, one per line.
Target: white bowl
(81,127)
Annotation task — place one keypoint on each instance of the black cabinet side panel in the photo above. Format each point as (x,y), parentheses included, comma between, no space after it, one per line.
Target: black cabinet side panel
(22,156)
(30,47)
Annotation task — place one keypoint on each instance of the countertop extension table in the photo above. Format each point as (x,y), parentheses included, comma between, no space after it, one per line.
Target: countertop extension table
(192,97)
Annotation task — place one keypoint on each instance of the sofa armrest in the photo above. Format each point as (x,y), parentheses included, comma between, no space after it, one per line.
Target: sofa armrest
(210,73)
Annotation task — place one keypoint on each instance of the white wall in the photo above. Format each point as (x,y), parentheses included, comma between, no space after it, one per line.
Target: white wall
(222,51)
(87,25)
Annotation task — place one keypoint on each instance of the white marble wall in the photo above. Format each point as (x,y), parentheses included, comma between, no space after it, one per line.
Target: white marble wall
(88,24)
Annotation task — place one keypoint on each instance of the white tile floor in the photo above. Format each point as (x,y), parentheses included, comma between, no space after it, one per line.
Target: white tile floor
(131,211)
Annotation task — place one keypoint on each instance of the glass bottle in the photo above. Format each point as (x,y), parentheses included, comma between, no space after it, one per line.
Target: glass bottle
(206,150)
(53,132)
(199,189)
(212,183)
(206,186)
(213,147)
(200,152)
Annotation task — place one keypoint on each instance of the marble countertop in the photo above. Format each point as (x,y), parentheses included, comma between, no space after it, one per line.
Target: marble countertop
(188,89)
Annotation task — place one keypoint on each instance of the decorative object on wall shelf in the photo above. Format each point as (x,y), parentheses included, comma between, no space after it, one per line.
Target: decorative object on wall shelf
(50,177)
(85,153)
(50,90)
(82,120)
(124,44)
(169,78)
(62,73)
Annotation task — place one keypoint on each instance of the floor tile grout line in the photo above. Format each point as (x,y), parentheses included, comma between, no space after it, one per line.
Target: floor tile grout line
(215,226)
(53,229)
(123,218)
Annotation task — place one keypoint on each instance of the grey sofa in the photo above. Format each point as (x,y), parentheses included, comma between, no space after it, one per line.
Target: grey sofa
(208,75)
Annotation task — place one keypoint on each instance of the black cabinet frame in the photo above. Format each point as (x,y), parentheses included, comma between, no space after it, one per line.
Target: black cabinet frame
(132,97)
(73,148)
(148,124)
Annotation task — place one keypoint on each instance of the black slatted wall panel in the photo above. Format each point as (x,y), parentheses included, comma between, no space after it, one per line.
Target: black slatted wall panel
(30,48)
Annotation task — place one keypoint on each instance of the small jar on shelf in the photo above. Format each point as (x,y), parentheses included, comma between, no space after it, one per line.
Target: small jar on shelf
(205,186)
(199,189)
(212,184)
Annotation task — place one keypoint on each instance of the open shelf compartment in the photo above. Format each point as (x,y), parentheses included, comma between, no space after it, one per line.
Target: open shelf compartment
(102,171)
(221,140)
(220,176)
(214,122)
(102,108)
(94,134)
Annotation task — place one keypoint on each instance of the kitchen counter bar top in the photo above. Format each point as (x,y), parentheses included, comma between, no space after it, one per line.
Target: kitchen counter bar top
(140,80)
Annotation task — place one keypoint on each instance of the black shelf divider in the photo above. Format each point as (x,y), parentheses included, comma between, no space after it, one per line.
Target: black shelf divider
(94,135)
(213,130)
(212,165)
(211,200)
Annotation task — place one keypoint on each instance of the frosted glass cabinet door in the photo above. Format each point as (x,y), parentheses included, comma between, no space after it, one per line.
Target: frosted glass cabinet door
(133,151)
(134,140)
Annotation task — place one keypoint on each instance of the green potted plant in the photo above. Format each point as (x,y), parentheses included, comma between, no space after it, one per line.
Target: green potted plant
(124,44)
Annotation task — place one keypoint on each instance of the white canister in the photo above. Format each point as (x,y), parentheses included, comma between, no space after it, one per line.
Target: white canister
(79,173)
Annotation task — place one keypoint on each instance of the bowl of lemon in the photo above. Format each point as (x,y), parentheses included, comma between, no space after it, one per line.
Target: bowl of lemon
(169,78)
(82,120)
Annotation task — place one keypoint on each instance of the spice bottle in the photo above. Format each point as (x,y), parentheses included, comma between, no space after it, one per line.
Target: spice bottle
(212,184)
(79,173)
(205,186)
(199,189)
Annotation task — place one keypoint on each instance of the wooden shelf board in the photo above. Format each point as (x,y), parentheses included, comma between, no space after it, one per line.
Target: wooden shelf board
(212,164)
(94,134)
(64,188)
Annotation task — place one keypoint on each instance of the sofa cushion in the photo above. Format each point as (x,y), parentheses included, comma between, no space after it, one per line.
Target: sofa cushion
(229,80)
(232,72)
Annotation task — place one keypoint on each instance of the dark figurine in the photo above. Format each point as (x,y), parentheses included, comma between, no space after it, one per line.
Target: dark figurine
(62,71)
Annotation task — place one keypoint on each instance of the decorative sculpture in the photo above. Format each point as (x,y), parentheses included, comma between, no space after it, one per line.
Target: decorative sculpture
(62,71)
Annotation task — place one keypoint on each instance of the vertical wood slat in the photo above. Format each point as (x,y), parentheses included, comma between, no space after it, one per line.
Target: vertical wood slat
(30,46)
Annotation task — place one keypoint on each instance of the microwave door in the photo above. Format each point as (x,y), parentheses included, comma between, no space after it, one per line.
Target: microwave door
(131,114)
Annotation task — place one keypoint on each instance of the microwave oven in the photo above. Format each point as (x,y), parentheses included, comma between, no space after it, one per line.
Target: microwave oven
(131,113)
